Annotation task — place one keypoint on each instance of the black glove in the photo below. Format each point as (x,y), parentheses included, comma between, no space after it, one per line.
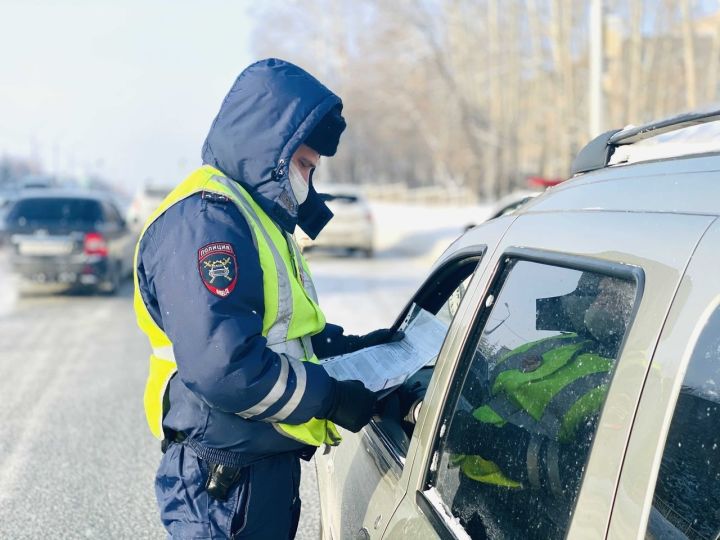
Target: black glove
(377,337)
(352,405)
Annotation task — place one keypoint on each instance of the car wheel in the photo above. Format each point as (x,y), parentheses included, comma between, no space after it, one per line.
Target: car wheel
(112,284)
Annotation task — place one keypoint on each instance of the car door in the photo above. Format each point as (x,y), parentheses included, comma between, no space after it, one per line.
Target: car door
(362,480)
(541,259)
(362,475)
(670,481)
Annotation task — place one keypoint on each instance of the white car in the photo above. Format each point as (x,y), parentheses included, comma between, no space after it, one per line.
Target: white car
(352,226)
(144,203)
(508,204)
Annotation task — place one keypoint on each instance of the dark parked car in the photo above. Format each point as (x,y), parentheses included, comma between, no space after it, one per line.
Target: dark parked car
(68,237)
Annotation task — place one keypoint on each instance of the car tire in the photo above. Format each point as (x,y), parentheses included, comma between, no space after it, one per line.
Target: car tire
(112,284)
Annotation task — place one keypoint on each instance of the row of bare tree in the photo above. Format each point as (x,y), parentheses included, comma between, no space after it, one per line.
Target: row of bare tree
(484,93)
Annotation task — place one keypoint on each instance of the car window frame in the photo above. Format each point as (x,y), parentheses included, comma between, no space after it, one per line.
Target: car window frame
(438,517)
(377,437)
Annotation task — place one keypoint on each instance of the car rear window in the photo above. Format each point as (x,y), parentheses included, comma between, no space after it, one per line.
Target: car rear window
(59,209)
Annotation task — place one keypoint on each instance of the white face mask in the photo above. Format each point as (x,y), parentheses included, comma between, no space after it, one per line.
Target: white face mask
(298,184)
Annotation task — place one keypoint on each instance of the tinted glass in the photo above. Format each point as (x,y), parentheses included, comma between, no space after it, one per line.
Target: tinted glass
(520,432)
(686,503)
(63,210)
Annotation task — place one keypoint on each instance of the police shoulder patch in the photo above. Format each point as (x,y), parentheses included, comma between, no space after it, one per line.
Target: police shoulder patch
(211,196)
(217,264)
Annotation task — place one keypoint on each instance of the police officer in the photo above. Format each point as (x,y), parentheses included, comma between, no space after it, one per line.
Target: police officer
(227,302)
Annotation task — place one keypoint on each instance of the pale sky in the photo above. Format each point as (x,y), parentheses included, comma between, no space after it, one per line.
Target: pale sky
(124,88)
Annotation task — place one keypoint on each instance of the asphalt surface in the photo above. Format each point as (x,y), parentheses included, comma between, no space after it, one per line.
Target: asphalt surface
(76,459)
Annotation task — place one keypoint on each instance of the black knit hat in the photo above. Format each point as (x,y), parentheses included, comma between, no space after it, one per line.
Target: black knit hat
(325,137)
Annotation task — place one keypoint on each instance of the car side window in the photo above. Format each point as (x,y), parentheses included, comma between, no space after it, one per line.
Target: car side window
(447,311)
(686,503)
(440,295)
(517,434)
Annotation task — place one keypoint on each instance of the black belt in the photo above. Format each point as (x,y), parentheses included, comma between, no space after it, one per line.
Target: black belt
(220,456)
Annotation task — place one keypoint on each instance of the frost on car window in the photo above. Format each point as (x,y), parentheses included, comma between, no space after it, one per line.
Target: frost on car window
(519,436)
(686,503)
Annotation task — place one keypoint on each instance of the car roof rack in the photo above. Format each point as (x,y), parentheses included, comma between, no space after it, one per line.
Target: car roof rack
(597,153)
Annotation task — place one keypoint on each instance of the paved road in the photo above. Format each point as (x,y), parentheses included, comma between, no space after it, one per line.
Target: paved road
(76,460)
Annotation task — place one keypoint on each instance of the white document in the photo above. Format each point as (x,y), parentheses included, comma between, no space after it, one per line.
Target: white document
(384,367)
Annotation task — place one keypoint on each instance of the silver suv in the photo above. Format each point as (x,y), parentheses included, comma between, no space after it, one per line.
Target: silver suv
(577,391)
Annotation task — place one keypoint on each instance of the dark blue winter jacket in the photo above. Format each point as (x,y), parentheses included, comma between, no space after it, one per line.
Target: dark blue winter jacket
(223,363)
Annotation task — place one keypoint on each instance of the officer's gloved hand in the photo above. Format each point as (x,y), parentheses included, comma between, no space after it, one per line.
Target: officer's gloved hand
(352,405)
(377,337)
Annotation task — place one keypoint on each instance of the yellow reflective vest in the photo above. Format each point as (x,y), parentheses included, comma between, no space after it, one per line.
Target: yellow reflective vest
(291,315)
(547,387)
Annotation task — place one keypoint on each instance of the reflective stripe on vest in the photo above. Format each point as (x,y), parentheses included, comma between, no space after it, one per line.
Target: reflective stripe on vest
(483,470)
(541,400)
(291,313)
(546,388)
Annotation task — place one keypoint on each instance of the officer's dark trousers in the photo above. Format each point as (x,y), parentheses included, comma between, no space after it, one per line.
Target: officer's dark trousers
(264,505)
